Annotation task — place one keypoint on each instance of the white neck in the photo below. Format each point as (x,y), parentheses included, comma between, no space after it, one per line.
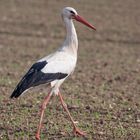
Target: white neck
(71,42)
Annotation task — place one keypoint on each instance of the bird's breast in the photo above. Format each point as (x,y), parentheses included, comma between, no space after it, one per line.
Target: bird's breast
(60,62)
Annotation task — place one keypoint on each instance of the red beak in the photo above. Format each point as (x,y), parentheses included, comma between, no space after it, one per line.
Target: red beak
(82,20)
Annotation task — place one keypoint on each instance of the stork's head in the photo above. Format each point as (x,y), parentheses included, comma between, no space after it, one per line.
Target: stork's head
(70,13)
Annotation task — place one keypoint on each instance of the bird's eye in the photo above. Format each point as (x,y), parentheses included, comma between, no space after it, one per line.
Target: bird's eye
(72,12)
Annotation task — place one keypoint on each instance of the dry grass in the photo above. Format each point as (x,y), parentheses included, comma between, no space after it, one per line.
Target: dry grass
(104,92)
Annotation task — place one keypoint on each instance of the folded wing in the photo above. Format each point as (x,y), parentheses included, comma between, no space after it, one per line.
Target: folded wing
(35,77)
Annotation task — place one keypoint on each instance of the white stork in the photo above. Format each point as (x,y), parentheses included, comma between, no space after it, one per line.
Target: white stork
(55,68)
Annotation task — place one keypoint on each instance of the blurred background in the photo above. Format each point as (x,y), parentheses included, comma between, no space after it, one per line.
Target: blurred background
(103,94)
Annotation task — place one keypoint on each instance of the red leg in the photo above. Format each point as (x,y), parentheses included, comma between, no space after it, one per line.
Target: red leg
(75,129)
(43,107)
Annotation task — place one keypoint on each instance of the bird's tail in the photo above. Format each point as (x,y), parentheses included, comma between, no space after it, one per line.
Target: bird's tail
(20,88)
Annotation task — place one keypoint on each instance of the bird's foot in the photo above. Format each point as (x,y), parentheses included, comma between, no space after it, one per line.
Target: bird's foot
(78,132)
(37,136)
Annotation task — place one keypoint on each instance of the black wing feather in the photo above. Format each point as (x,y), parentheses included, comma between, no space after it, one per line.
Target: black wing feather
(35,77)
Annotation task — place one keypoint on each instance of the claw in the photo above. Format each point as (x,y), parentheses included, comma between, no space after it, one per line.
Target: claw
(37,136)
(78,132)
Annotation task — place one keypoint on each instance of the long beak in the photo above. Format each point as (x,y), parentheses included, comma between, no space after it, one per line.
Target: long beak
(82,20)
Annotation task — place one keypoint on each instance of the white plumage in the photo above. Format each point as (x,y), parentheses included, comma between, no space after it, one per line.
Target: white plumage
(61,62)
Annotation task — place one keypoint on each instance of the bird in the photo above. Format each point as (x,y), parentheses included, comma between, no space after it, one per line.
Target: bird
(55,68)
